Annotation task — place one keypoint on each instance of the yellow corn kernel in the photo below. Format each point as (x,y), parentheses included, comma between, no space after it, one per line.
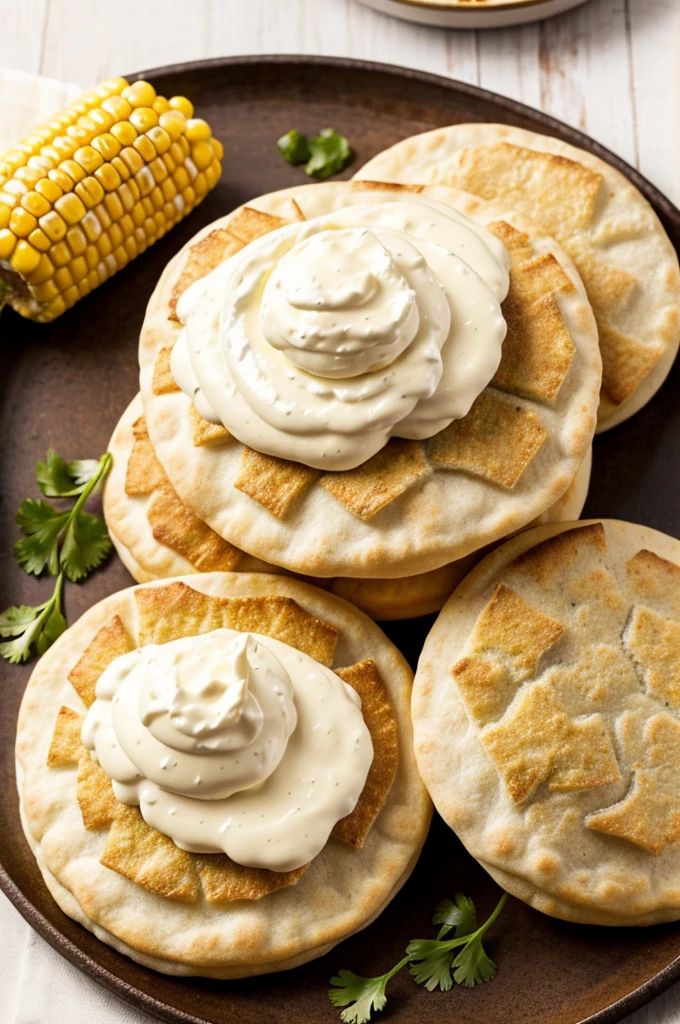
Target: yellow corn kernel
(169,212)
(91,226)
(132,158)
(121,168)
(35,204)
(144,118)
(113,205)
(169,189)
(134,189)
(160,105)
(45,292)
(71,296)
(62,279)
(78,268)
(181,178)
(145,147)
(84,288)
(159,170)
(212,175)
(145,180)
(118,108)
(39,240)
(160,138)
(115,235)
(150,227)
(189,196)
(200,185)
(107,145)
(74,170)
(53,225)
(90,192)
(102,119)
(5,214)
(126,197)
(71,208)
(91,255)
(138,215)
(124,133)
(147,206)
(25,258)
(55,308)
(198,130)
(182,104)
(108,177)
(93,279)
(21,222)
(104,245)
(76,240)
(16,188)
(88,158)
(60,254)
(140,94)
(169,163)
(9,200)
(43,272)
(127,225)
(121,257)
(202,155)
(174,123)
(156,197)
(8,241)
(78,134)
(60,179)
(130,247)
(103,217)
(29,175)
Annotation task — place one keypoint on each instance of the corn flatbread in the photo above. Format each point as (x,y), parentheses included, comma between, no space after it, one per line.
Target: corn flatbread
(627,263)
(546,714)
(415,506)
(182,913)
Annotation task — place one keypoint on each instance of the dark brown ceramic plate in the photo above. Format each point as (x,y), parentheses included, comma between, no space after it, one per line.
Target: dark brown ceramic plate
(66,384)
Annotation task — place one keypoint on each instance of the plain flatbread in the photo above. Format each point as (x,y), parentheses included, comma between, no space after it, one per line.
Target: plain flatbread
(619,246)
(416,505)
(546,712)
(341,892)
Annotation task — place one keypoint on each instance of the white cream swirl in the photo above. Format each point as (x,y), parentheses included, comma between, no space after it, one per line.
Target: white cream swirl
(320,340)
(234,743)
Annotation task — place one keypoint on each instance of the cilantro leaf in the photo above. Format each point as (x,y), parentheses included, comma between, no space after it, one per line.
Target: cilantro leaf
(329,153)
(42,525)
(472,965)
(31,627)
(434,967)
(460,915)
(60,479)
(86,545)
(361,996)
(294,147)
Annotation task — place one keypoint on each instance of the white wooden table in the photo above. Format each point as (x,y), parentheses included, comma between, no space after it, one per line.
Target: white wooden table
(611,68)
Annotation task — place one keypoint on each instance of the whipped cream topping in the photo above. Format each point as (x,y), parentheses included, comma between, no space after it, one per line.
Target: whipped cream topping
(232,742)
(321,340)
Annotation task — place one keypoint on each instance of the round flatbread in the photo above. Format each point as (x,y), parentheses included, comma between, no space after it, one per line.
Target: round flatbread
(183,913)
(157,536)
(415,505)
(546,713)
(618,244)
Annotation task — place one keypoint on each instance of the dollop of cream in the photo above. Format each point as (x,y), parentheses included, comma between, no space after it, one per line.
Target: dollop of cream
(321,340)
(232,742)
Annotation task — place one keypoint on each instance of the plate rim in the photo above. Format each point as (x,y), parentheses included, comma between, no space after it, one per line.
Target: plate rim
(667,210)
(456,7)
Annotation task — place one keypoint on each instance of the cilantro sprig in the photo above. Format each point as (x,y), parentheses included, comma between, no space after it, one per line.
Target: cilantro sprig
(431,961)
(64,542)
(323,155)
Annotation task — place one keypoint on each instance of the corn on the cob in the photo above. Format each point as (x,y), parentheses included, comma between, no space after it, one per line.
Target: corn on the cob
(93,188)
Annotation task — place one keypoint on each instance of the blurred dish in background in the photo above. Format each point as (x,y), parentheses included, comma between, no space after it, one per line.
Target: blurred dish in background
(472,13)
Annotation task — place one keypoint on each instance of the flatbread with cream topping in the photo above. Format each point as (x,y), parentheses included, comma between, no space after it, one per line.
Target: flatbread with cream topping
(627,262)
(187,913)
(415,505)
(546,712)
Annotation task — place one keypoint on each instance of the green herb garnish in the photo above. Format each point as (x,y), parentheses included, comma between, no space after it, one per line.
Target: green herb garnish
(62,542)
(323,155)
(431,960)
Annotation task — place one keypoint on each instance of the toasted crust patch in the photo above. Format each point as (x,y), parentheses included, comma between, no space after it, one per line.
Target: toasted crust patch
(537,741)
(174,525)
(109,643)
(516,242)
(649,815)
(380,480)
(487,688)
(95,795)
(528,367)
(205,433)
(273,483)
(378,715)
(654,643)
(625,362)
(652,578)
(163,381)
(224,881)
(512,627)
(65,747)
(496,440)
(538,277)
(147,857)
(174,610)
(548,561)
(203,257)
(144,472)
(249,224)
